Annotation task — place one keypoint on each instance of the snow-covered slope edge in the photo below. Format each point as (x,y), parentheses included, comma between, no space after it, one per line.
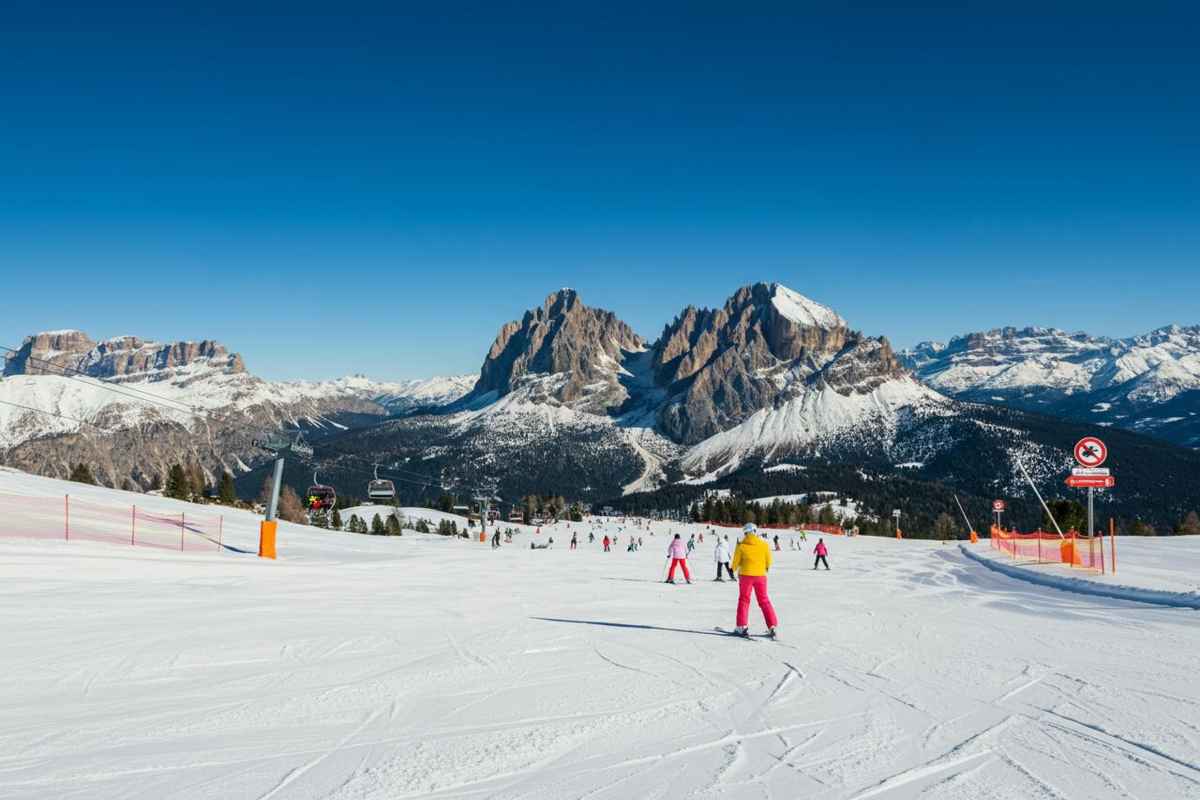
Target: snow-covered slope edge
(819,420)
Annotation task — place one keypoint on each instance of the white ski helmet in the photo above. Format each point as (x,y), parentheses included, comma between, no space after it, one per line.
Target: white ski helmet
(750,528)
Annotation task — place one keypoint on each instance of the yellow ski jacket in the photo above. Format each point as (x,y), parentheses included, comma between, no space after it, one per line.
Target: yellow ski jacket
(752,556)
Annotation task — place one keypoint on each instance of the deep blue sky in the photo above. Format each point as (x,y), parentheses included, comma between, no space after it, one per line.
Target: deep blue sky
(368,188)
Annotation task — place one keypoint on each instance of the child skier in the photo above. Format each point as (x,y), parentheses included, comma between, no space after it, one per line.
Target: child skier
(574,541)
(677,551)
(605,542)
(751,562)
(821,550)
(722,555)
(777,543)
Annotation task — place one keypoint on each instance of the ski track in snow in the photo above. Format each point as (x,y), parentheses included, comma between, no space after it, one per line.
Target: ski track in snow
(365,668)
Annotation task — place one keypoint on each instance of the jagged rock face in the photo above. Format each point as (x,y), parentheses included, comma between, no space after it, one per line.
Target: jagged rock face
(766,344)
(562,352)
(50,353)
(41,353)
(862,367)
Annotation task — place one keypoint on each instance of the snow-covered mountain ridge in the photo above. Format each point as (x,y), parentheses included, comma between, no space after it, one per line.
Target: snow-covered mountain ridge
(768,375)
(1148,383)
(570,399)
(167,400)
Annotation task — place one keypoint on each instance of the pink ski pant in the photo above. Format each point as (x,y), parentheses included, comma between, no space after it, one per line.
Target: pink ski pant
(758,585)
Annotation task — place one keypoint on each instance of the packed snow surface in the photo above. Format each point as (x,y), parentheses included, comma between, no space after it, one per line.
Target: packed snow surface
(421,666)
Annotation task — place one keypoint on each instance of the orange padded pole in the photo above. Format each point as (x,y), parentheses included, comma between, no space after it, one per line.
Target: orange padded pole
(266,539)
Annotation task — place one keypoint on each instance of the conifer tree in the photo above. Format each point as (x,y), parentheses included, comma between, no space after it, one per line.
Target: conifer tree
(177,484)
(1140,528)
(227,491)
(197,484)
(943,527)
(82,473)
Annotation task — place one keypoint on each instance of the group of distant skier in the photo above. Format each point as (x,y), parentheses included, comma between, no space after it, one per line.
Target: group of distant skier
(751,561)
(748,562)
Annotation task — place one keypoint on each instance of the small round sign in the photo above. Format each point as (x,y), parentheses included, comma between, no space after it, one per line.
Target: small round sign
(997,506)
(1090,452)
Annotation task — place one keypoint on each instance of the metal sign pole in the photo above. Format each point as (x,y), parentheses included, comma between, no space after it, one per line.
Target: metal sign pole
(1091,495)
(278,481)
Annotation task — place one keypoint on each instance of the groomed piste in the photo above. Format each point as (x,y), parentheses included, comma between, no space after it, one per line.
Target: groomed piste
(422,666)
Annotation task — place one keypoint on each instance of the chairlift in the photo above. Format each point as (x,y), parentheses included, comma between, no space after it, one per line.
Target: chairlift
(302,448)
(320,497)
(380,488)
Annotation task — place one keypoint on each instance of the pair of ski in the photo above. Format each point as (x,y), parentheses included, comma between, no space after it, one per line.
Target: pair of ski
(735,634)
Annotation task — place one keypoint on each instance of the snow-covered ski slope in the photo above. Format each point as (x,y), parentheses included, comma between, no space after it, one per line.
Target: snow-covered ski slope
(1159,571)
(422,666)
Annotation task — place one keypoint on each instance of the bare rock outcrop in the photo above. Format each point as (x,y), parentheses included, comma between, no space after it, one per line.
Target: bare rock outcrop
(53,352)
(765,345)
(561,352)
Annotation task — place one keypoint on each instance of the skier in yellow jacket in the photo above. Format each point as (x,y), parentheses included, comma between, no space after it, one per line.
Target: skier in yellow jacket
(751,562)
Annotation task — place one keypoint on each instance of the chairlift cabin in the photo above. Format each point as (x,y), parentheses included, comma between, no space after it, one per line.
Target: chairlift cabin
(320,497)
(380,488)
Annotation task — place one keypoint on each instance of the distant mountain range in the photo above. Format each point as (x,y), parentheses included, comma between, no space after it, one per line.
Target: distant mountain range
(570,400)
(1148,383)
(132,407)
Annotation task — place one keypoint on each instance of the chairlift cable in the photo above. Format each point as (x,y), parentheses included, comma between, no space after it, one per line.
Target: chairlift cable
(51,414)
(128,391)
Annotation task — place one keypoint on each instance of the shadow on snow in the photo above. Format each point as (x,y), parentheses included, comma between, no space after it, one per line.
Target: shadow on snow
(628,625)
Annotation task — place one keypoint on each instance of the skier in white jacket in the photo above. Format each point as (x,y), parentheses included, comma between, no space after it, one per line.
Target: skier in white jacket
(722,555)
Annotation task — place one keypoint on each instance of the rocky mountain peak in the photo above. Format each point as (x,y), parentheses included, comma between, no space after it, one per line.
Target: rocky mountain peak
(765,344)
(124,357)
(765,323)
(560,352)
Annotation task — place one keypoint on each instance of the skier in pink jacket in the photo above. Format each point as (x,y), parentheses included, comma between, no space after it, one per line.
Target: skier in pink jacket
(821,550)
(678,553)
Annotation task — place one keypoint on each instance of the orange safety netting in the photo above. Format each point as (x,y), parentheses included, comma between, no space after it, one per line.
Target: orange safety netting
(817,527)
(1043,547)
(70,519)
